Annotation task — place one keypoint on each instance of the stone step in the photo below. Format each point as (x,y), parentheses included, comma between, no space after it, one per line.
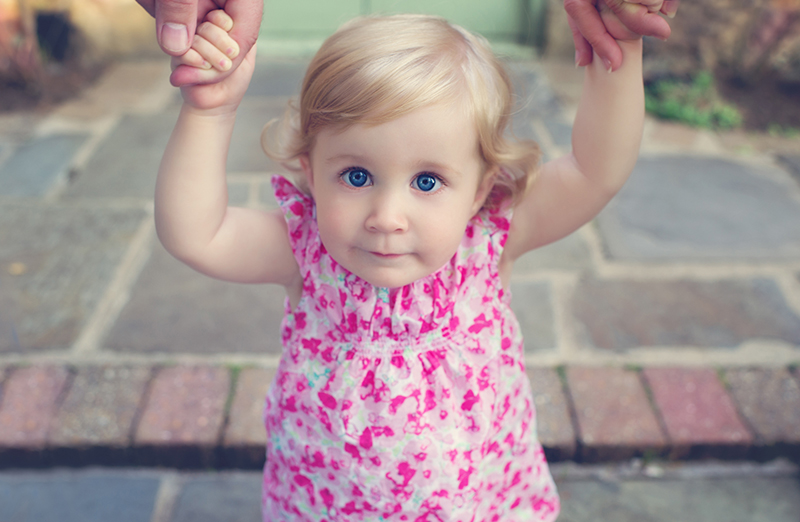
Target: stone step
(207,416)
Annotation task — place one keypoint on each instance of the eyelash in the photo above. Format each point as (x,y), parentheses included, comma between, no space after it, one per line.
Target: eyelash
(348,170)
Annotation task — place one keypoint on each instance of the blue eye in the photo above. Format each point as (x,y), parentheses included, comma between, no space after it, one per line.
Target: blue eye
(356,177)
(427,182)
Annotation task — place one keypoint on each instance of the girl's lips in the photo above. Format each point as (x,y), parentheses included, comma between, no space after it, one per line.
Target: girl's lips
(385,256)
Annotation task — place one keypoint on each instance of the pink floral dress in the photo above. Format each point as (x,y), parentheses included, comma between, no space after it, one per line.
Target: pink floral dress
(402,404)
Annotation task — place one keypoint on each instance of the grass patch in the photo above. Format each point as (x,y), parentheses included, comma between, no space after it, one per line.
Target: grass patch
(695,102)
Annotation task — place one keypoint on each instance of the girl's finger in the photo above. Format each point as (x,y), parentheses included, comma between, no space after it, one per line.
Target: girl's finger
(221,19)
(670,7)
(211,53)
(192,58)
(652,6)
(219,38)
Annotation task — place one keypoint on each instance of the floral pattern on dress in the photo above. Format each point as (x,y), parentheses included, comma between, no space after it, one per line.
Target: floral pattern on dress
(407,404)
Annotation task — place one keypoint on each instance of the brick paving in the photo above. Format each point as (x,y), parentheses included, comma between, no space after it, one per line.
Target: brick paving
(669,327)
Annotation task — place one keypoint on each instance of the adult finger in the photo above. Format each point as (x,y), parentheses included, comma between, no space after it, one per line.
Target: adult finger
(148,5)
(639,19)
(583,51)
(246,15)
(176,21)
(585,18)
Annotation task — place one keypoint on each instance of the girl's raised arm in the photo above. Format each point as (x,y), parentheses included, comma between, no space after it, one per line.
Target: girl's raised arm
(193,219)
(570,191)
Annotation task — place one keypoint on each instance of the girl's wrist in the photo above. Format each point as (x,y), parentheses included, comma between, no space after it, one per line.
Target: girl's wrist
(217,113)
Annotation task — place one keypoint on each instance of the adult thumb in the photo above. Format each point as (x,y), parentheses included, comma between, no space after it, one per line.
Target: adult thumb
(176,21)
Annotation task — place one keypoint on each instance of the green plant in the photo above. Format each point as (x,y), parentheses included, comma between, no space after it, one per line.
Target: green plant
(779,131)
(694,102)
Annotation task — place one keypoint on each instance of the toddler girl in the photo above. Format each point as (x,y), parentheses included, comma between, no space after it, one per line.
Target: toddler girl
(401,393)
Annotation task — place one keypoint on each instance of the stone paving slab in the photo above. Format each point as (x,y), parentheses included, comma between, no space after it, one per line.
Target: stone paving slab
(792,163)
(692,208)
(699,415)
(277,78)
(225,497)
(627,314)
(55,265)
(246,154)
(553,418)
(727,499)
(125,164)
(77,496)
(569,254)
(40,167)
(614,417)
(173,309)
(533,305)
(769,400)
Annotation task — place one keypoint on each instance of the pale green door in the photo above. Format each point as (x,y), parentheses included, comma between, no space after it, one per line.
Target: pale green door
(499,20)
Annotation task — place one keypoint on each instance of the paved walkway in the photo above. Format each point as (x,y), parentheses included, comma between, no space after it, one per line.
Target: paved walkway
(618,493)
(669,327)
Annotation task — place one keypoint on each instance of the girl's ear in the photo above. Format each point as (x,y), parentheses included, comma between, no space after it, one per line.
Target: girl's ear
(305,164)
(484,188)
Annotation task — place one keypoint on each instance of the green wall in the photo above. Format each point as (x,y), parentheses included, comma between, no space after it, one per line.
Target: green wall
(501,20)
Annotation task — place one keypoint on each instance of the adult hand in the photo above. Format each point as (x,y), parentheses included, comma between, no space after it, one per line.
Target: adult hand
(176,21)
(589,32)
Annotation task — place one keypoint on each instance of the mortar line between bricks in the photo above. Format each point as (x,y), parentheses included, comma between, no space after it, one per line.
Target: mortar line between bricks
(722,376)
(573,412)
(564,328)
(112,358)
(101,130)
(118,291)
(755,354)
(140,406)
(167,495)
(657,413)
(699,271)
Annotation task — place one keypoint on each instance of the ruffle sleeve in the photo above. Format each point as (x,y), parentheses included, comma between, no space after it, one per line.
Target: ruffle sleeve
(298,211)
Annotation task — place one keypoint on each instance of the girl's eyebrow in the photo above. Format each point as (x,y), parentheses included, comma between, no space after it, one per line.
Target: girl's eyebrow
(351,158)
(437,167)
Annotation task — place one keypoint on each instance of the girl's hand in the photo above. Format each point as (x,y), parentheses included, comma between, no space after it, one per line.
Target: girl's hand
(212,52)
(614,25)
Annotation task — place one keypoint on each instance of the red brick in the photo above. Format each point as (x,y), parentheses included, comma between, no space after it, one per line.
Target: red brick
(100,407)
(245,421)
(769,399)
(29,403)
(614,416)
(697,411)
(185,407)
(553,419)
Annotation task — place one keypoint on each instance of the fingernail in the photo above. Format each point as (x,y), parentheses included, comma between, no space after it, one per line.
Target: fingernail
(577,60)
(206,65)
(225,64)
(607,64)
(174,37)
(231,52)
(671,14)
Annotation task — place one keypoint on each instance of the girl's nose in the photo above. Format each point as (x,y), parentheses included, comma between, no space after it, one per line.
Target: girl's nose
(387,215)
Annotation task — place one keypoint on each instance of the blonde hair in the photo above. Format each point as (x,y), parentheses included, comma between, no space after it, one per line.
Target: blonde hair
(376,69)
